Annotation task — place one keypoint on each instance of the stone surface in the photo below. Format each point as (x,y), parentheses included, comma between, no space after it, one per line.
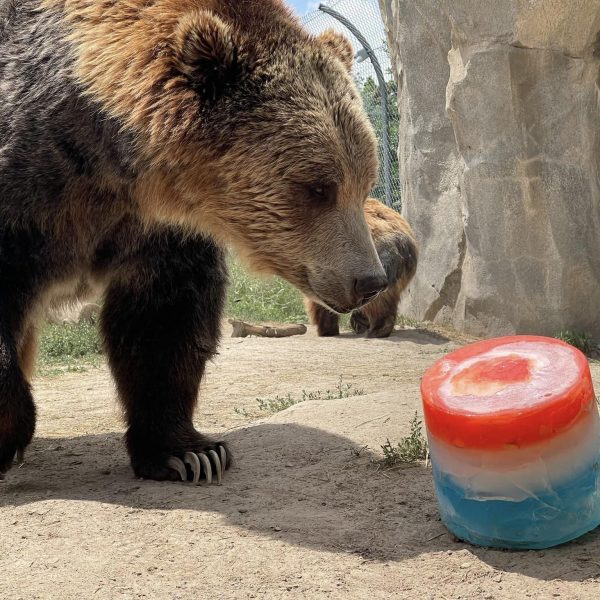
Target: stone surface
(499,152)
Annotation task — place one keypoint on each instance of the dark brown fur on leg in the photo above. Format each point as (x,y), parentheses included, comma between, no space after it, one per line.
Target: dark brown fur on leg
(22,262)
(161,322)
(327,322)
(17,410)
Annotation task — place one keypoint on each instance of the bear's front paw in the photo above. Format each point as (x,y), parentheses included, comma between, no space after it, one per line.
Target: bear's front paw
(205,462)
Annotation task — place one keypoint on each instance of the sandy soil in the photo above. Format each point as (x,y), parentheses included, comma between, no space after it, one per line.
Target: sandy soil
(305,513)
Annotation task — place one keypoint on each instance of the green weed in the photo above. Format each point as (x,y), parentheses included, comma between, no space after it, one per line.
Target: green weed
(270,406)
(582,341)
(69,349)
(409,449)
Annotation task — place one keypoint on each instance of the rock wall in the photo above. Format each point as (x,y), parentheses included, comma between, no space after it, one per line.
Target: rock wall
(500,160)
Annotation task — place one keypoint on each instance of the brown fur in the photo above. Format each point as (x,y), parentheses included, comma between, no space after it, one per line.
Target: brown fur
(340,46)
(133,57)
(139,136)
(378,317)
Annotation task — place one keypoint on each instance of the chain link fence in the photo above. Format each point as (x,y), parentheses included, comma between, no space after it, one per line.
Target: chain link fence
(361,22)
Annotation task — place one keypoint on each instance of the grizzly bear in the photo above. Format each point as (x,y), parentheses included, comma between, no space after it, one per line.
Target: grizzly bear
(137,139)
(397,249)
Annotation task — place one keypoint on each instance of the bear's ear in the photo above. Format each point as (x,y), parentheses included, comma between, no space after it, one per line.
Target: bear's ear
(207,53)
(340,45)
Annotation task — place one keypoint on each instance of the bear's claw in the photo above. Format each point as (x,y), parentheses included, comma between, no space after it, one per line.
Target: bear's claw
(200,463)
(177,465)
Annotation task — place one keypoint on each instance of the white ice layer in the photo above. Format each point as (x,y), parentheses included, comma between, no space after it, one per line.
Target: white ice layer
(554,370)
(519,473)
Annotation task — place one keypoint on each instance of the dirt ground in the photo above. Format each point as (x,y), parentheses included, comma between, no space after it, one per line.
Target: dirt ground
(306,512)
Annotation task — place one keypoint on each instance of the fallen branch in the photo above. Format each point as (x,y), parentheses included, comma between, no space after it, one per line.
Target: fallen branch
(243,329)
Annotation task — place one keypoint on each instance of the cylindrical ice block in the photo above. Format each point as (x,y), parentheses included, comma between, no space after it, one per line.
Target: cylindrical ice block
(514,439)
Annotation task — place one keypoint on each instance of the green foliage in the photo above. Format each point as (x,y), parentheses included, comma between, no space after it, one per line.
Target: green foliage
(69,348)
(341,390)
(274,405)
(277,404)
(409,449)
(59,342)
(581,340)
(258,299)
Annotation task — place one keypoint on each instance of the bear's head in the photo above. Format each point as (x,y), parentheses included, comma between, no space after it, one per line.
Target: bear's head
(279,156)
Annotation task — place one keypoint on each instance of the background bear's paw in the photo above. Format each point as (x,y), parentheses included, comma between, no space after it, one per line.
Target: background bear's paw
(359,322)
(202,465)
(383,328)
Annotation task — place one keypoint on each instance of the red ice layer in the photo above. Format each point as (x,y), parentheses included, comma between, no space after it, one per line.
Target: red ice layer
(508,427)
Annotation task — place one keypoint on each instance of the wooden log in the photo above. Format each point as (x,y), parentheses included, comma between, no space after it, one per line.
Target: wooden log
(243,329)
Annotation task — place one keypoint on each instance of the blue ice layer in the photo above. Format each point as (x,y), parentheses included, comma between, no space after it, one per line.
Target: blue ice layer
(540,521)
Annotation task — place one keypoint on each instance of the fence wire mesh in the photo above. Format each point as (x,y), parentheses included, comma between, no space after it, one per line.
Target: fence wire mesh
(365,17)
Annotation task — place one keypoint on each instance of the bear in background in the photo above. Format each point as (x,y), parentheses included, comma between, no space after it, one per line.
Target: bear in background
(397,249)
(139,138)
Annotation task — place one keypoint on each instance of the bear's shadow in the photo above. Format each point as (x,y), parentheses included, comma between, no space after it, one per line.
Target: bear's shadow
(294,483)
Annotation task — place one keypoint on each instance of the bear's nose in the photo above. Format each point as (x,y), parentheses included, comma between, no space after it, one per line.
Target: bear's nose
(369,286)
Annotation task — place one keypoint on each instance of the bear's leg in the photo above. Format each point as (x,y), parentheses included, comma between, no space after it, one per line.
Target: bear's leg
(161,323)
(327,322)
(17,410)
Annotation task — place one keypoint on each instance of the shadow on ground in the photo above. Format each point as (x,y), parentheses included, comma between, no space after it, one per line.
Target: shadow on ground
(423,337)
(292,483)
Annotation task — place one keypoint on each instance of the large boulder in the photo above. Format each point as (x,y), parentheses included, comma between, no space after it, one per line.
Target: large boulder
(500,160)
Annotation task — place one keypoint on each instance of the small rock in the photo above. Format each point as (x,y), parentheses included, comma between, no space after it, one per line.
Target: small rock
(242,510)
(465,565)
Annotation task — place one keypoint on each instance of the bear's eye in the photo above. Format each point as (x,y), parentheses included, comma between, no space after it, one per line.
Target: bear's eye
(321,192)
